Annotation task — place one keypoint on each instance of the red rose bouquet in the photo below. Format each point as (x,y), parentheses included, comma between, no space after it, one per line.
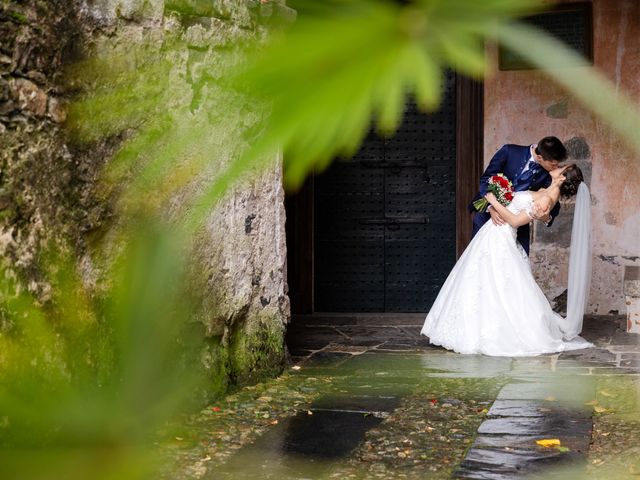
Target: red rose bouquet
(501,187)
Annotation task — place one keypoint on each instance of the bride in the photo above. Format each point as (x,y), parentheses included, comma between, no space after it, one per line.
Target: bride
(491,303)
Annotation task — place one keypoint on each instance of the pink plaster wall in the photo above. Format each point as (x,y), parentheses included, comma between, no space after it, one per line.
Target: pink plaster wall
(516,105)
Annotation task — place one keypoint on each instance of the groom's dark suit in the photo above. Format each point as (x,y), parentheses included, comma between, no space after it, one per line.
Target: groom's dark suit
(511,160)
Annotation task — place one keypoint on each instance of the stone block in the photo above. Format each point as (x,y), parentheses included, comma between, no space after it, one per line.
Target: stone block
(631,289)
(30,98)
(559,233)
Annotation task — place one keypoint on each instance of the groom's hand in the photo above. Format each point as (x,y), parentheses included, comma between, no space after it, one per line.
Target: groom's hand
(541,213)
(495,217)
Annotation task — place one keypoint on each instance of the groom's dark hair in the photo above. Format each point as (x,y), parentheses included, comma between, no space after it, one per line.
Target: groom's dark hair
(551,148)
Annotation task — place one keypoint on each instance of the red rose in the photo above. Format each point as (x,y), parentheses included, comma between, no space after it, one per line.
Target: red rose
(508,196)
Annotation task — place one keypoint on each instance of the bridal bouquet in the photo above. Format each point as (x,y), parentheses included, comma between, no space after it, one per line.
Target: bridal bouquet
(501,187)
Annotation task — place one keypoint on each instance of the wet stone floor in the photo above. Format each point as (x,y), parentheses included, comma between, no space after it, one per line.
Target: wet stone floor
(367,397)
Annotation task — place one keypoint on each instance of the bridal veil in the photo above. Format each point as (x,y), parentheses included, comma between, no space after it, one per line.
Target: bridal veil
(579,264)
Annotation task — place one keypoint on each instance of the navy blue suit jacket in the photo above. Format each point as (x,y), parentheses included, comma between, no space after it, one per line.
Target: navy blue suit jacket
(510,160)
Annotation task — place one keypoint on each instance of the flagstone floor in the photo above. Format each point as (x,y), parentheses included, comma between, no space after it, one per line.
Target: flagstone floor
(545,397)
(368,397)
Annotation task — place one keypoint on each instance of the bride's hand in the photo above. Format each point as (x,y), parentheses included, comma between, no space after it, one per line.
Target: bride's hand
(491,198)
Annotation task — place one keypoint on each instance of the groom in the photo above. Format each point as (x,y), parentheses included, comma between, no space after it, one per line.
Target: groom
(528,168)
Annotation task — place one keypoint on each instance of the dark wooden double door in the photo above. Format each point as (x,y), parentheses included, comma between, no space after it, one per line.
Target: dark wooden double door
(383,236)
(385,220)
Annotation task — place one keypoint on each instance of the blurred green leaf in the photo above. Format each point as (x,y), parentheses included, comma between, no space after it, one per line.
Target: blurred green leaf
(85,383)
(587,84)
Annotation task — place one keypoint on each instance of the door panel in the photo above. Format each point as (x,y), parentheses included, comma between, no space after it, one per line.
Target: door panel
(385,220)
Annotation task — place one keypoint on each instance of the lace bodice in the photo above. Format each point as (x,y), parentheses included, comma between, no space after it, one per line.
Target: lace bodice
(521,201)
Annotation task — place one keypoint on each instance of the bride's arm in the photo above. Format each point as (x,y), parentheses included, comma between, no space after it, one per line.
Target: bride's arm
(515,220)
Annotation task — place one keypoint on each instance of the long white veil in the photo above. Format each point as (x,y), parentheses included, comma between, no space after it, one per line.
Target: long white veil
(579,264)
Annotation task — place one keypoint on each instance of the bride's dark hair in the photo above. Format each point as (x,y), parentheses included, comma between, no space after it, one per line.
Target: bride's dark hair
(573,178)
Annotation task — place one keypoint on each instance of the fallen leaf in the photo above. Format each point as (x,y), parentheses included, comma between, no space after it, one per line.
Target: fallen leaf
(550,398)
(296,367)
(548,442)
(606,394)
(179,439)
(563,449)
(216,409)
(591,402)
(599,409)
(274,422)
(309,412)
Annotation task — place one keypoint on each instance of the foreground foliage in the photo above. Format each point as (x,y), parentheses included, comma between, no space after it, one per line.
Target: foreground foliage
(87,381)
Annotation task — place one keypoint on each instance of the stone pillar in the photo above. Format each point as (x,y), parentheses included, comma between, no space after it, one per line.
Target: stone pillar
(631,287)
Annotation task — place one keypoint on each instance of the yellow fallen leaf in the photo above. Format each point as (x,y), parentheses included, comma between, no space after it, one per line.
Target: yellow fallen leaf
(550,398)
(599,409)
(296,367)
(606,394)
(548,442)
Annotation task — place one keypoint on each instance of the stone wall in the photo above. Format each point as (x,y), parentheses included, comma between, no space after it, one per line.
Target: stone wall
(48,182)
(523,106)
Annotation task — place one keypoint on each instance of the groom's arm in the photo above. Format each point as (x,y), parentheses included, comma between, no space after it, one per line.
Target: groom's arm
(496,165)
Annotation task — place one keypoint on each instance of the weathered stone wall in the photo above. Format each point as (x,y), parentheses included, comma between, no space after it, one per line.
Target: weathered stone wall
(523,106)
(48,182)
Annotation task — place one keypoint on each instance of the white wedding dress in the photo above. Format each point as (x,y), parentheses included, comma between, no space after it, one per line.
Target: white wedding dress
(491,303)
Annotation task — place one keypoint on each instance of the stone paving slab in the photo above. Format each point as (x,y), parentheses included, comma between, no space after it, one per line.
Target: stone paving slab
(549,426)
(624,338)
(561,390)
(634,363)
(323,357)
(527,442)
(598,355)
(391,347)
(351,403)
(612,370)
(498,464)
(532,408)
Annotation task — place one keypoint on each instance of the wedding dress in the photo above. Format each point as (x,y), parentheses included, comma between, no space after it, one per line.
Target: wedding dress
(491,303)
